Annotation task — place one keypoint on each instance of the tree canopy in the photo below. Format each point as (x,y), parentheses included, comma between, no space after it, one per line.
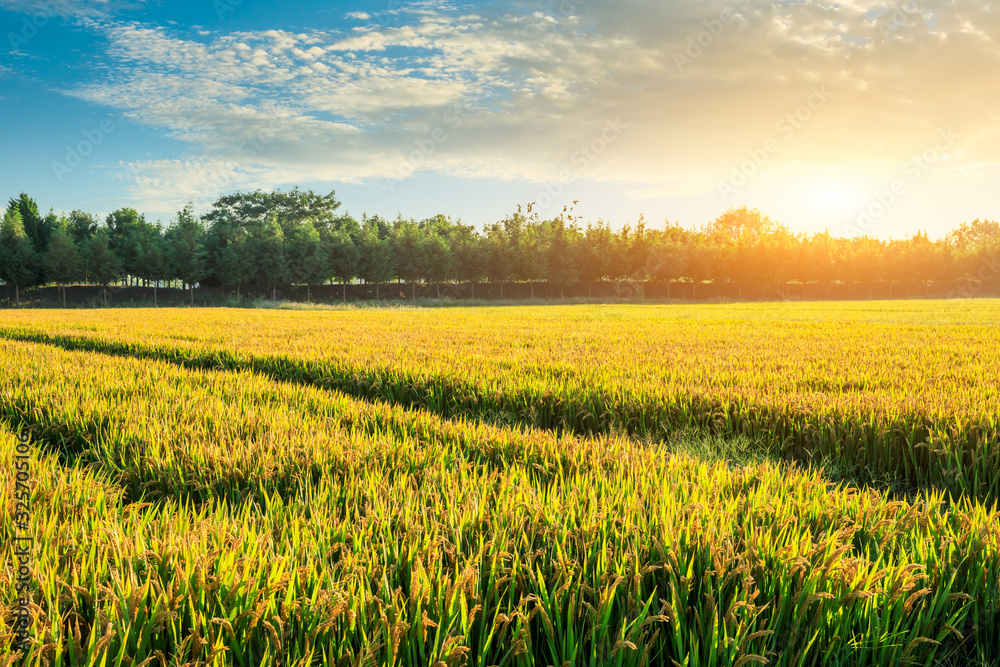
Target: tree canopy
(269,240)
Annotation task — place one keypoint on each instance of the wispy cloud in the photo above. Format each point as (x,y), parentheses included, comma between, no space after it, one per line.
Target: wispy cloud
(69,8)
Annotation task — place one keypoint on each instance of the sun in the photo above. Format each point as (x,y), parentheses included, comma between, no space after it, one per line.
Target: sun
(832,197)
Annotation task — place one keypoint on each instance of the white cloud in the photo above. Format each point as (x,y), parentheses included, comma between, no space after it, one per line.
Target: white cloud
(698,84)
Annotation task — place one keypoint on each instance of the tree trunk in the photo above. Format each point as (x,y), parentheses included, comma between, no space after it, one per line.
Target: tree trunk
(345,291)
(191,290)
(473,290)
(377,298)
(156,301)
(439,290)
(104,293)
(618,287)
(17,293)
(668,290)
(413,287)
(590,289)
(501,290)
(274,293)
(532,284)
(63,287)
(694,291)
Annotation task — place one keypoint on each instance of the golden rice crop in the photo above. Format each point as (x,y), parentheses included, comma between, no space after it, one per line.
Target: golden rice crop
(904,391)
(216,517)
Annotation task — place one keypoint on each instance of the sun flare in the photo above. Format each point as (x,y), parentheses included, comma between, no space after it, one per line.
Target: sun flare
(832,197)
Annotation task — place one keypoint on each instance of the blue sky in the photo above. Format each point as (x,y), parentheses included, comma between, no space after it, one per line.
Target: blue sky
(864,116)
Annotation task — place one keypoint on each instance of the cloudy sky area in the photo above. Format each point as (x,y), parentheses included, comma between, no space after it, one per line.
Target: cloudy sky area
(811,111)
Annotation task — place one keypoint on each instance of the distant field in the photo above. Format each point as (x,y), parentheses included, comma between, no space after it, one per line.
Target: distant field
(509,486)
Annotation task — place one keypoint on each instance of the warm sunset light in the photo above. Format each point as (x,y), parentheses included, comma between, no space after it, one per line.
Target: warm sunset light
(500,333)
(835,199)
(670,109)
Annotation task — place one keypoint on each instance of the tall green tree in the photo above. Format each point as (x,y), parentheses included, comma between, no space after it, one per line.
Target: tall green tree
(375,262)
(271,260)
(560,264)
(152,257)
(722,256)
(188,257)
(236,264)
(18,260)
(102,264)
(407,245)
(527,237)
(499,251)
(618,265)
(699,261)
(308,263)
(434,256)
(81,227)
(381,226)
(468,254)
(638,250)
(343,256)
(669,257)
(63,263)
(123,227)
(594,254)
(922,256)
(37,228)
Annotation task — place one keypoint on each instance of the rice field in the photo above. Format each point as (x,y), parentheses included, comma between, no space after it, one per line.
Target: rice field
(784,484)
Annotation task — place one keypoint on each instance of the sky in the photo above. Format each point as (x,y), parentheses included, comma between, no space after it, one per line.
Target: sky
(860,116)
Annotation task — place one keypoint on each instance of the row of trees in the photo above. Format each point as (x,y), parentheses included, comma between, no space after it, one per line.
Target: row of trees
(267,240)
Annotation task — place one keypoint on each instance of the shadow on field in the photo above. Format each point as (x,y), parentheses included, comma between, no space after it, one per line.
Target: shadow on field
(582,416)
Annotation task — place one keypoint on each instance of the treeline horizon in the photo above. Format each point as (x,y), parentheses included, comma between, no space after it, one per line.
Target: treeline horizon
(263,240)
